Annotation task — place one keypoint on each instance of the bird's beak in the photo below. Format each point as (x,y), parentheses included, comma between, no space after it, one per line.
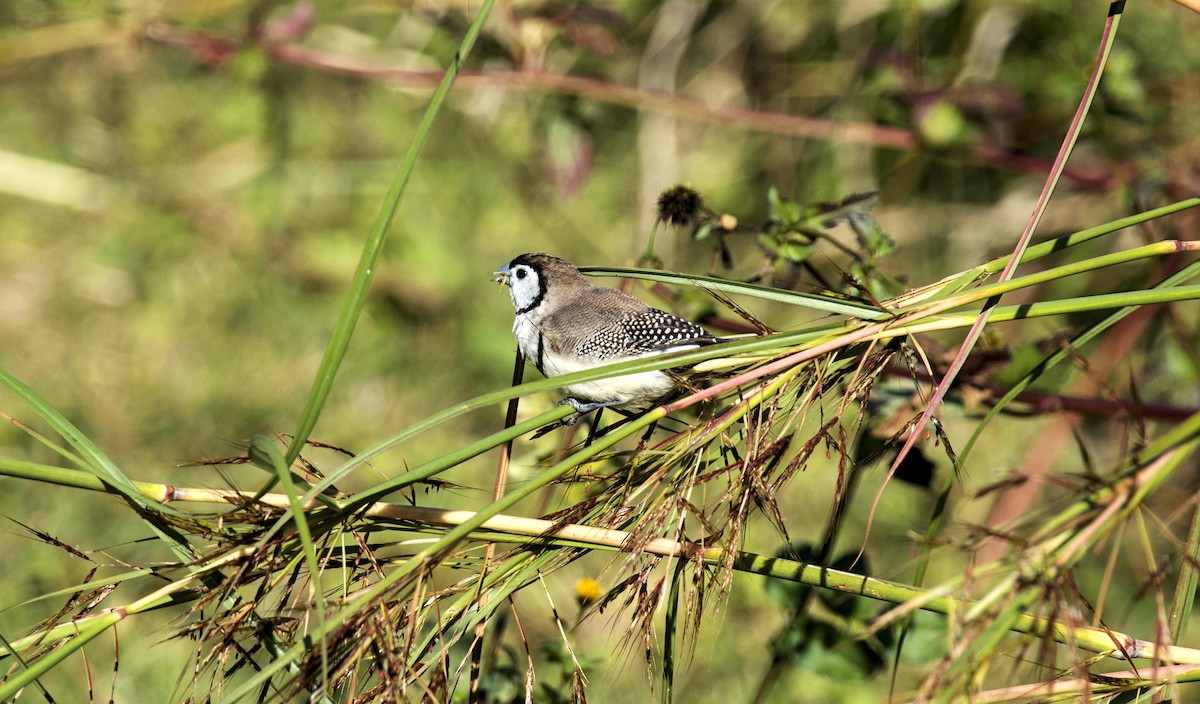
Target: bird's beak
(501,275)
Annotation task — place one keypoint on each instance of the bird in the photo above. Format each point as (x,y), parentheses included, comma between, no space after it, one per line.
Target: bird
(566,324)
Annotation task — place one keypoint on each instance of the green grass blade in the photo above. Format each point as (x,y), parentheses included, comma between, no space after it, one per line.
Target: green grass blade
(1125,256)
(48,443)
(94,459)
(829,303)
(264,454)
(1185,586)
(104,469)
(44,664)
(360,285)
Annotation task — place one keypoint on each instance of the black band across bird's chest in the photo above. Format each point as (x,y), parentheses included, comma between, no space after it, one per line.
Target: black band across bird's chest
(540,360)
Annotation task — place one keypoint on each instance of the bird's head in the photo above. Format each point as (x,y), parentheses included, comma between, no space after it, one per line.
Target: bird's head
(530,276)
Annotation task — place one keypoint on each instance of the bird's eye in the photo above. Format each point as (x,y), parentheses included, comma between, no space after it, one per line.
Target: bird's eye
(520,273)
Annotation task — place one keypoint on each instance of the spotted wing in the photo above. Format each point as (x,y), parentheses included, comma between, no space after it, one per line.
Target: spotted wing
(645,332)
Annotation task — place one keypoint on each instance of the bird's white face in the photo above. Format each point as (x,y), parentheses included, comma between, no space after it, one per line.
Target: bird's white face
(525,285)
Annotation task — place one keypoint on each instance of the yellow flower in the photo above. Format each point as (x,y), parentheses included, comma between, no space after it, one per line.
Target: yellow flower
(587,591)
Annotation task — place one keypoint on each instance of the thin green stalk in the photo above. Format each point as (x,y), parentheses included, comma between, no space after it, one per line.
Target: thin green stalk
(48,443)
(956,283)
(1076,342)
(1058,244)
(501,583)
(1185,585)
(1182,436)
(1062,306)
(671,620)
(74,589)
(1157,249)
(993,635)
(453,459)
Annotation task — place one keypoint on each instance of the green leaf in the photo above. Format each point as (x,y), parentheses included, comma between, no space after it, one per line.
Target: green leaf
(795,252)
(926,640)
(782,210)
(870,236)
(773,201)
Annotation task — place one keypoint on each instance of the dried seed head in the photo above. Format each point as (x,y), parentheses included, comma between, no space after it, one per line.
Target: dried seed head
(680,205)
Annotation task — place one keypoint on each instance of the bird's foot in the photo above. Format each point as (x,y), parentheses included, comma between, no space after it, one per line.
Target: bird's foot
(582,408)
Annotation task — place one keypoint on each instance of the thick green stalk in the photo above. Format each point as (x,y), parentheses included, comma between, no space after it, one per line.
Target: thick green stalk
(1096,640)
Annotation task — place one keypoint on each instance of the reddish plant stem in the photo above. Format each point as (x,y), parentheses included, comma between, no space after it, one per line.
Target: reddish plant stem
(217,49)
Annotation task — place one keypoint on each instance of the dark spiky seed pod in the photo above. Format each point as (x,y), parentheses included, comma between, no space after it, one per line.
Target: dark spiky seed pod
(680,205)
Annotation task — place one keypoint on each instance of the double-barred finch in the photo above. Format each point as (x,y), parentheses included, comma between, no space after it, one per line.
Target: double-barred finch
(566,324)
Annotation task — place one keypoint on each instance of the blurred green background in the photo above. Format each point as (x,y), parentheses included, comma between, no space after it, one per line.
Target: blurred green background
(185,188)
